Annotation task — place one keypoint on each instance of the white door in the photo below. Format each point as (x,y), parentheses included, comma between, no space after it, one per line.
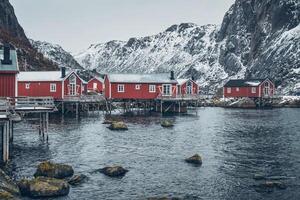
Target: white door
(72,83)
(189,87)
(94,86)
(166,89)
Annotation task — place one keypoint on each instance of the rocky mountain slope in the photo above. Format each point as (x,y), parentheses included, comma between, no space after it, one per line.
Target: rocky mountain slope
(256,39)
(11,32)
(56,54)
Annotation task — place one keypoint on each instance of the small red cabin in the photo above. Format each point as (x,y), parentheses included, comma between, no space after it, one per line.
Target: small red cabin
(56,84)
(187,87)
(260,88)
(96,84)
(139,86)
(8,72)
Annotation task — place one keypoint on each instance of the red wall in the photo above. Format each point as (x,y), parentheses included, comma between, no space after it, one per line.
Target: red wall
(247,91)
(99,85)
(131,93)
(7,85)
(79,86)
(184,91)
(40,89)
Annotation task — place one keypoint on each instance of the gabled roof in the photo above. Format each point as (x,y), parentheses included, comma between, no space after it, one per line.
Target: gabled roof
(140,78)
(43,76)
(244,82)
(14,66)
(182,81)
(98,78)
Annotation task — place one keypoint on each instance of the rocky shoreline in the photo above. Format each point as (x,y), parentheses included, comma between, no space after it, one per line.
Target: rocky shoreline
(248,103)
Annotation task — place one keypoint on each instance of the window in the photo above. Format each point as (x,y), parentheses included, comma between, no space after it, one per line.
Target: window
(137,86)
(27,86)
(229,90)
(53,87)
(95,86)
(121,88)
(152,88)
(253,90)
(237,89)
(166,89)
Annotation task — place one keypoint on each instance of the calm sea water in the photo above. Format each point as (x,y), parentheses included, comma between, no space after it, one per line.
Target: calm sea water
(235,145)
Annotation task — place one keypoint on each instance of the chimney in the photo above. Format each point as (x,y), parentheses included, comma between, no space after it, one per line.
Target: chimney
(172,75)
(6,55)
(63,72)
(193,78)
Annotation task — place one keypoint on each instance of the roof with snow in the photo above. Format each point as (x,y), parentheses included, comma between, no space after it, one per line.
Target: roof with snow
(244,82)
(42,76)
(140,78)
(13,58)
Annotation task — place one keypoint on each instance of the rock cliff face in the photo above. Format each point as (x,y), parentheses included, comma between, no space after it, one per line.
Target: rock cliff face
(56,54)
(256,39)
(11,32)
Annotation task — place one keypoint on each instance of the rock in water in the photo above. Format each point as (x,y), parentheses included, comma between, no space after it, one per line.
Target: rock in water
(4,195)
(114,171)
(53,170)
(167,123)
(118,126)
(77,179)
(195,159)
(7,186)
(41,187)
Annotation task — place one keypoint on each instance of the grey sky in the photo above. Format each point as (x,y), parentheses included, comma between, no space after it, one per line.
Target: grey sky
(76,24)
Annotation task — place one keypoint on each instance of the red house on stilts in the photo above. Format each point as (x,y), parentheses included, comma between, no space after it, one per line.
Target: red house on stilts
(56,84)
(187,87)
(252,88)
(96,84)
(8,71)
(140,86)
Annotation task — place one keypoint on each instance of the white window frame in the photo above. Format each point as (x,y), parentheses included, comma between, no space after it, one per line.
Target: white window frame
(229,90)
(253,90)
(121,88)
(137,86)
(27,86)
(165,88)
(52,87)
(237,89)
(152,88)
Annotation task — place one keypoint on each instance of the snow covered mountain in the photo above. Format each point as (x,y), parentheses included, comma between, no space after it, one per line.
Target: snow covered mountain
(56,54)
(256,39)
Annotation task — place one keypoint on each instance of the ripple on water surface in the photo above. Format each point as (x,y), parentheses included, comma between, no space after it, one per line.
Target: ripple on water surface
(235,144)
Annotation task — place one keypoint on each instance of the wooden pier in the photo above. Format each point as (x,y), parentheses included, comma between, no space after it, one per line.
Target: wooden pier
(79,104)
(13,110)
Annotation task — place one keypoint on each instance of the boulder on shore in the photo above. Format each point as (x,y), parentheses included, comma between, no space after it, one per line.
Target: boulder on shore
(77,179)
(195,159)
(53,170)
(118,126)
(114,171)
(41,187)
(7,186)
(167,123)
(4,195)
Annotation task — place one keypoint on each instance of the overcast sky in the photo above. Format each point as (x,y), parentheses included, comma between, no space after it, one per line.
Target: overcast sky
(75,24)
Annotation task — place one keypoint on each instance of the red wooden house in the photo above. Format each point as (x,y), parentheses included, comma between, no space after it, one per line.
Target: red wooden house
(56,84)
(8,72)
(187,87)
(96,84)
(259,88)
(139,86)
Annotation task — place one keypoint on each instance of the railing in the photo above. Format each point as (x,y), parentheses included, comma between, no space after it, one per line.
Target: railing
(5,106)
(179,96)
(84,98)
(32,102)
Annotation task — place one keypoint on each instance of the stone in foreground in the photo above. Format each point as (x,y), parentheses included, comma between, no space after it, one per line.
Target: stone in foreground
(118,126)
(7,186)
(4,195)
(195,159)
(114,171)
(167,123)
(77,179)
(42,187)
(53,170)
